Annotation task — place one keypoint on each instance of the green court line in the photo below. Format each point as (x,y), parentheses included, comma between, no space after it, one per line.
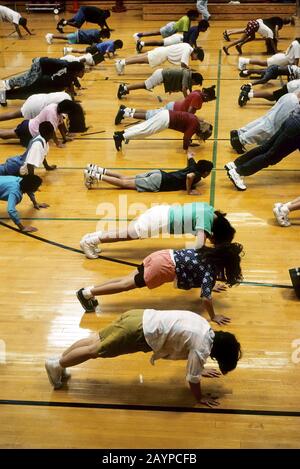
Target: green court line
(215,146)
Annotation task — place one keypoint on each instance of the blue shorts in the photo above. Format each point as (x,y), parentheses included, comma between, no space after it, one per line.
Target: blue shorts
(12,166)
(73,38)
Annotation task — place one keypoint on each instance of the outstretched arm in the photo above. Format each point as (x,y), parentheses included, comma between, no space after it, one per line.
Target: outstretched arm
(218,318)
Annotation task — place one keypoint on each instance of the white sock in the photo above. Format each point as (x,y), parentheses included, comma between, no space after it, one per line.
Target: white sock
(56,363)
(285,208)
(142,43)
(122,62)
(127,112)
(87,293)
(6,84)
(64,22)
(246,61)
(251,94)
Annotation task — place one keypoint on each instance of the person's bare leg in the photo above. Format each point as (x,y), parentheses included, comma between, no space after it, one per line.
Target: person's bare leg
(150,33)
(77,353)
(264,94)
(153,43)
(119,182)
(81,343)
(115,236)
(62,37)
(6,116)
(137,59)
(6,134)
(237,42)
(78,51)
(293,204)
(116,285)
(136,86)
(235,31)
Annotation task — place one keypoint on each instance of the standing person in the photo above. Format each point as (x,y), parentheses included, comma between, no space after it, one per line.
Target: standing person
(174,80)
(34,105)
(280,145)
(34,156)
(248,34)
(8,15)
(203,9)
(192,103)
(189,36)
(282,210)
(198,218)
(263,128)
(155,180)
(180,26)
(107,48)
(183,122)
(83,36)
(12,190)
(53,113)
(86,14)
(170,335)
(187,268)
(178,54)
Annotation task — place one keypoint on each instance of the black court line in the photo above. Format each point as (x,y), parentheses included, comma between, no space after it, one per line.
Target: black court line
(119,261)
(152,408)
(63,246)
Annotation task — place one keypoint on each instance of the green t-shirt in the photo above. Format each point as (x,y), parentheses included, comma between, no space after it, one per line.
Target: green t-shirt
(190,218)
(182,25)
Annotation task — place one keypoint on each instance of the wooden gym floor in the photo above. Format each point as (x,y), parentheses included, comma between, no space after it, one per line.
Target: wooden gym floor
(125,402)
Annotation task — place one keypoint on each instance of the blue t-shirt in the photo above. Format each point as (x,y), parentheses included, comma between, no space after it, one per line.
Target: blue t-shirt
(105,46)
(191,35)
(88,36)
(10,191)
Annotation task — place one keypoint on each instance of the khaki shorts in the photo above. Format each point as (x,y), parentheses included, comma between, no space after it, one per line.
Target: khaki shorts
(124,336)
(278,59)
(155,79)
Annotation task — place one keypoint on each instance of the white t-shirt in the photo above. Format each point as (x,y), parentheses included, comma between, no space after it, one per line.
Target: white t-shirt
(293,86)
(9,16)
(37,102)
(179,53)
(179,335)
(293,51)
(36,154)
(264,30)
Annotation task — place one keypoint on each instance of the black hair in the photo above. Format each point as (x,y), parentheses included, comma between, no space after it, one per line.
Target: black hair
(204,166)
(222,230)
(46,130)
(203,25)
(226,261)
(75,67)
(197,78)
(199,53)
(210,92)
(192,14)
(30,183)
(105,33)
(22,21)
(75,114)
(298,39)
(118,44)
(226,350)
(106,13)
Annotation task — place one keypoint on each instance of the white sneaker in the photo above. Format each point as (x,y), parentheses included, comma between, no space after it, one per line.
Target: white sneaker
(67,50)
(89,247)
(54,372)
(65,374)
(136,37)
(230,165)
(49,38)
(88,179)
(95,168)
(119,67)
(281,217)
(243,63)
(236,179)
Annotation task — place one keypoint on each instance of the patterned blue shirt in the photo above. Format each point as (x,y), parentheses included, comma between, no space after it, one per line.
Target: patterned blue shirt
(193,272)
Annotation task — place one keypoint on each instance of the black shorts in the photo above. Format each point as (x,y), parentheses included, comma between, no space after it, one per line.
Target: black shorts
(139,278)
(281,92)
(22,131)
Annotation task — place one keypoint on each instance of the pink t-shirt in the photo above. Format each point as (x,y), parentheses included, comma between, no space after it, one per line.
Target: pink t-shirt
(49,113)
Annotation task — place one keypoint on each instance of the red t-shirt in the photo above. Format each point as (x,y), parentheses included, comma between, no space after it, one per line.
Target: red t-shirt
(186,123)
(194,99)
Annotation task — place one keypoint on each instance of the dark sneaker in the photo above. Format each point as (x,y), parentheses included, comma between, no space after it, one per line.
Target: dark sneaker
(120,115)
(118,138)
(225,36)
(243,97)
(60,25)
(244,73)
(235,142)
(122,91)
(138,47)
(89,305)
